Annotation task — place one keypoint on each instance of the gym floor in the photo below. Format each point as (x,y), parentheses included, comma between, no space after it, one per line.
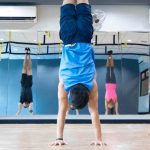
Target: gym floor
(78,137)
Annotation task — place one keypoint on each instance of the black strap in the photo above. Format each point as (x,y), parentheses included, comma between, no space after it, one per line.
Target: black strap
(59,139)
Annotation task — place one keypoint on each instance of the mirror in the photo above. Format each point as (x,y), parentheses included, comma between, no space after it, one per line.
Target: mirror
(4,68)
(11,75)
(48,67)
(47,72)
(131,57)
(135,72)
(109,71)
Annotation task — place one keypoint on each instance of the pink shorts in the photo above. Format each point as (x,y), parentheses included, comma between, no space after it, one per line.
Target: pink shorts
(110,92)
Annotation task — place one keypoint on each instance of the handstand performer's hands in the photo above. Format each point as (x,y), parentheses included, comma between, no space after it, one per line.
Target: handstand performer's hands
(58,142)
(98,143)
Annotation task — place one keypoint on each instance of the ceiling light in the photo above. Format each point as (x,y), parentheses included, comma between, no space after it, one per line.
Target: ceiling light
(129,40)
(15,49)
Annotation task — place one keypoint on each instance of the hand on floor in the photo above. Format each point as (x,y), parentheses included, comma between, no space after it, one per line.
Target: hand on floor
(98,143)
(58,143)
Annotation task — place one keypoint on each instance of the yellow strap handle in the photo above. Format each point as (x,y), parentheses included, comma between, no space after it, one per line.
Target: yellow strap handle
(39,48)
(48,34)
(125,45)
(60,47)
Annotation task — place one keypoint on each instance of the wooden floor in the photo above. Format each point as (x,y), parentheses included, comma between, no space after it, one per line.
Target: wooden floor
(37,137)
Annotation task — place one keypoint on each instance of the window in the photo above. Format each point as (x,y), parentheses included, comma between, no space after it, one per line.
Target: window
(144,84)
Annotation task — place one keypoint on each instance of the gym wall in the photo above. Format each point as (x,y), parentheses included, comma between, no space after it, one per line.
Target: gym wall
(117,18)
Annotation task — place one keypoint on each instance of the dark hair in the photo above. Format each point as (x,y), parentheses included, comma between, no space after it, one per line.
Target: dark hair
(110,52)
(27,105)
(78,96)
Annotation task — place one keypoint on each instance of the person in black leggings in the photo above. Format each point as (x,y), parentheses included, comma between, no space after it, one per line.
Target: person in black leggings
(111,100)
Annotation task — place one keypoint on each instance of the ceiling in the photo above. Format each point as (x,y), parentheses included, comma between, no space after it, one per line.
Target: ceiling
(58,2)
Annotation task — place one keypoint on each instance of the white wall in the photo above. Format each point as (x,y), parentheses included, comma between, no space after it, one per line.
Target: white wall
(119,18)
(126,18)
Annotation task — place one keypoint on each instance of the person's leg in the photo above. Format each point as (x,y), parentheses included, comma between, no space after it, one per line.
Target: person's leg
(82,1)
(110,75)
(24,69)
(110,62)
(62,111)
(29,93)
(93,109)
(68,26)
(69,2)
(29,68)
(84,21)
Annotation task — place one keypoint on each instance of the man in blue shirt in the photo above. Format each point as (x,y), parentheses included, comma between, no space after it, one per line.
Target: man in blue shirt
(77,85)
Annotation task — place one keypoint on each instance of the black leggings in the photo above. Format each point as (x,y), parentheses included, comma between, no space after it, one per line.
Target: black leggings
(110,75)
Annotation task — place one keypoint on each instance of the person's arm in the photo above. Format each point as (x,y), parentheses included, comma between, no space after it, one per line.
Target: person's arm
(61,121)
(63,107)
(19,109)
(116,107)
(106,108)
(31,108)
(93,109)
(77,112)
(96,125)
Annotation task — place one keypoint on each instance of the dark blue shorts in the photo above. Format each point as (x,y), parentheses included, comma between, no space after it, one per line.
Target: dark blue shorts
(26,95)
(110,75)
(76,24)
(26,89)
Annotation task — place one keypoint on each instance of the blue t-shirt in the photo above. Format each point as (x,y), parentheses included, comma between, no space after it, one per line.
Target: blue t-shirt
(77,65)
